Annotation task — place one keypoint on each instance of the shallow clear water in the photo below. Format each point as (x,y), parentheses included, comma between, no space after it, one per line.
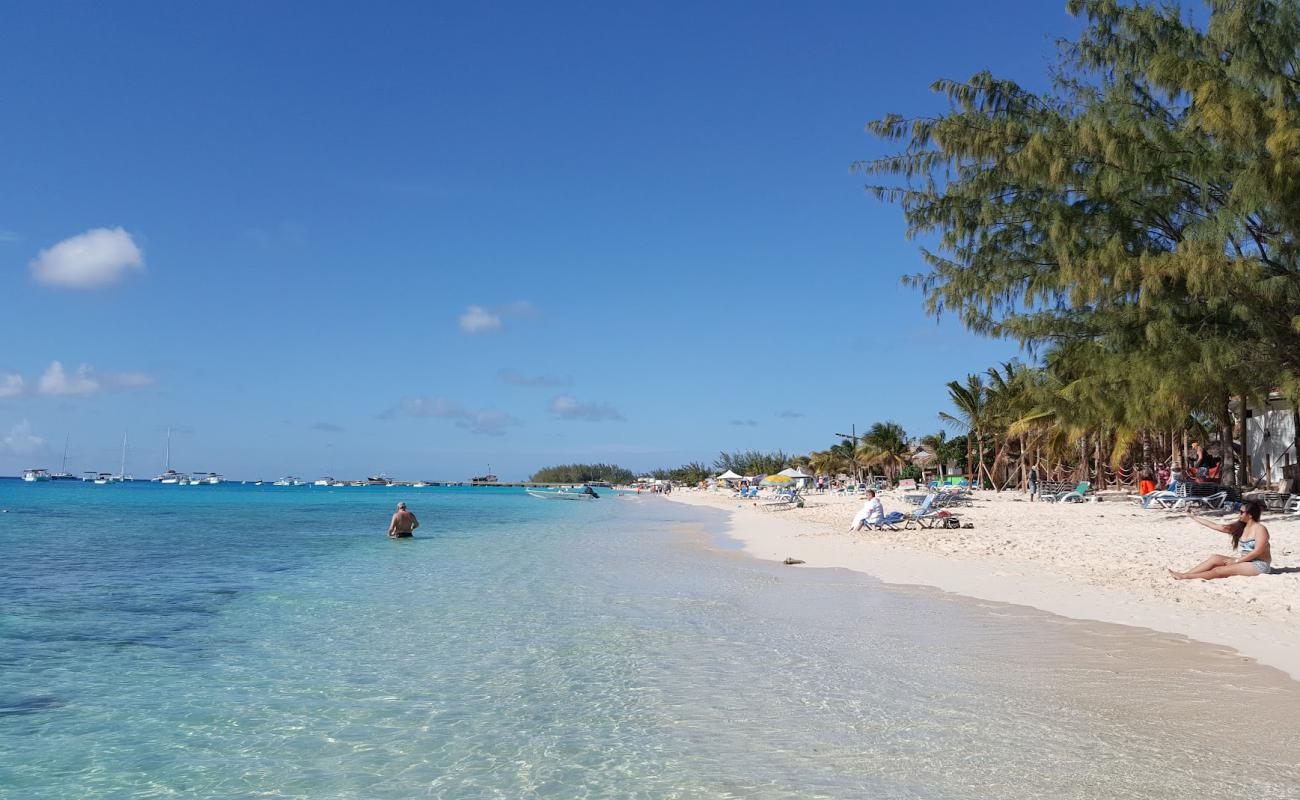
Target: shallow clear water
(272,642)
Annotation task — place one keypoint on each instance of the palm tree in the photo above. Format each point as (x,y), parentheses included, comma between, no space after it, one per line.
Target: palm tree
(886,444)
(971,404)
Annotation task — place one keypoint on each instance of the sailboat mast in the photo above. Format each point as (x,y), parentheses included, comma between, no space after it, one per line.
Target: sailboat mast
(168,457)
(64,467)
(122,473)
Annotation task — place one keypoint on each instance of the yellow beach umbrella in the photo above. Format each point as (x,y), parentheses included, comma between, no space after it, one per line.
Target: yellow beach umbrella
(777,479)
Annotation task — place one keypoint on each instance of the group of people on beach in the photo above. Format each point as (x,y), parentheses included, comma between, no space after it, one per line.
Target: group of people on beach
(1248,534)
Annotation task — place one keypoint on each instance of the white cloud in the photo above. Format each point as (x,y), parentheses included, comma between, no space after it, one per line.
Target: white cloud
(57,381)
(479,320)
(88,260)
(750,423)
(790,414)
(21,441)
(11,385)
(568,407)
(86,381)
(488,423)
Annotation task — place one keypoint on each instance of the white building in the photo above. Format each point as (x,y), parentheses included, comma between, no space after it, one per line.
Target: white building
(1270,437)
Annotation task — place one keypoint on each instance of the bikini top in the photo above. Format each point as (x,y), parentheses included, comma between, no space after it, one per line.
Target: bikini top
(1247,546)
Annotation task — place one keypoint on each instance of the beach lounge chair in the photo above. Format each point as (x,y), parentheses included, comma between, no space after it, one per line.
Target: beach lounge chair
(1158,499)
(1215,500)
(782,500)
(927,516)
(1075,495)
(889,522)
(907,485)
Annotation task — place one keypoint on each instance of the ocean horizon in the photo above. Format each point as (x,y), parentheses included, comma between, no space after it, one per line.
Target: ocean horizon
(241,641)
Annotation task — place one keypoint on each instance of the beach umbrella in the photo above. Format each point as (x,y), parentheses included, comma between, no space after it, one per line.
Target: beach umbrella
(777,479)
(791,472)
(728,476)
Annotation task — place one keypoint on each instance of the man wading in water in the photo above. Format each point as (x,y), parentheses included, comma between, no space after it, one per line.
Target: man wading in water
(404,523)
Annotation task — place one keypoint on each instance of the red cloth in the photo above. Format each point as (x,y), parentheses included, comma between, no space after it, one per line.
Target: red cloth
(1146,487)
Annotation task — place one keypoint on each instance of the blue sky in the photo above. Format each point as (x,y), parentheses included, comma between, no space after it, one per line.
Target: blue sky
(421,238)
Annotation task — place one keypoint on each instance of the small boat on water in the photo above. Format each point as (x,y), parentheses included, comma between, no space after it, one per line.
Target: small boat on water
(326,481)
(378,480)
(566,493)
(171,477)
(210,478)
(36,475)
(488,478)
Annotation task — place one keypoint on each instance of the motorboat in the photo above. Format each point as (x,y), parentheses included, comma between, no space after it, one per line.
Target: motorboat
(36,475)
(102,478)
(488,478)
(209,479)
(378,480)
(326,481)
(419,485)
(565,493)
(287,480)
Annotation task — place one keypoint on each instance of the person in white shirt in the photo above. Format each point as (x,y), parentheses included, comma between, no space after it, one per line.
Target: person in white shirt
(872,512)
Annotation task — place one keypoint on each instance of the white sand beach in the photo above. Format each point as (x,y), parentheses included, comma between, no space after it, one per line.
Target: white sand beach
(1101,561)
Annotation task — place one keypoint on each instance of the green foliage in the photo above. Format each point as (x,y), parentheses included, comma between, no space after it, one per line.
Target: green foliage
(752,462)
(688,474)
(1137,224)
(581,473)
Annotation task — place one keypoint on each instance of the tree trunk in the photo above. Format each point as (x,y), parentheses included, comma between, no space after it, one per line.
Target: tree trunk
(1101,470)
(1243,459)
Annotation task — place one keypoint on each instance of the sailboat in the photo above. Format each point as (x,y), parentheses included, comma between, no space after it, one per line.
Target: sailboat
(170,475)
(121,476)
(63,474)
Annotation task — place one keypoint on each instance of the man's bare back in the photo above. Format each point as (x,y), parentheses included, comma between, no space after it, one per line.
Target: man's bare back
(403,524)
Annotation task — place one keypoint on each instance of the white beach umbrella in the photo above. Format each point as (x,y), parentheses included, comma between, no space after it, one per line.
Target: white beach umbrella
(729,476)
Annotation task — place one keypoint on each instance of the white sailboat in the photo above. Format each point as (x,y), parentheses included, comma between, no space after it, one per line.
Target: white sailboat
(63,474)
(121,476)
(169,476)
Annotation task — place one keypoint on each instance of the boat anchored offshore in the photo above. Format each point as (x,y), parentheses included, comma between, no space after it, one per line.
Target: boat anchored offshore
(585,493)
(36,475)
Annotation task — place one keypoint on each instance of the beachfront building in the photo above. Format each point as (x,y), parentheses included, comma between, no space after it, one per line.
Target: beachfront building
(1271,438)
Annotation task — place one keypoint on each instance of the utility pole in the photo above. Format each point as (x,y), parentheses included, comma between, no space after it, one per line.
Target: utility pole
(853,437)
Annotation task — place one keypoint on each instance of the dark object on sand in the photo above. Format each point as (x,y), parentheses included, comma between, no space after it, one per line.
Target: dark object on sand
(792,561)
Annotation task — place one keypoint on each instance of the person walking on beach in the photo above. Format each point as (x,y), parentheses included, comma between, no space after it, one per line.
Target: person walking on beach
(1033,482)
(403,524)
(1256,555)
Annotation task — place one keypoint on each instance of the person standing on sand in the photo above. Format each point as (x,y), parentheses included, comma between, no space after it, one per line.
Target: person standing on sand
(403,524)
(1256,555)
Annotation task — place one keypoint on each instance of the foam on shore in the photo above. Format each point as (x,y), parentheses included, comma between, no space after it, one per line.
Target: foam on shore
(1102,561)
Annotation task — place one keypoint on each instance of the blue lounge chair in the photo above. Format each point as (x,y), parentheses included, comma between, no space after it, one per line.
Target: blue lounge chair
(926,515)
(1075,495)
(889,522)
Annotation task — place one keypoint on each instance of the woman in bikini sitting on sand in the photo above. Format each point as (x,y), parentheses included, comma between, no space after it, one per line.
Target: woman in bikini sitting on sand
(1256,557)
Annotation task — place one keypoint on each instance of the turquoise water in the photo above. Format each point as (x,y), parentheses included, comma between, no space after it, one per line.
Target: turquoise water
(271,642)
